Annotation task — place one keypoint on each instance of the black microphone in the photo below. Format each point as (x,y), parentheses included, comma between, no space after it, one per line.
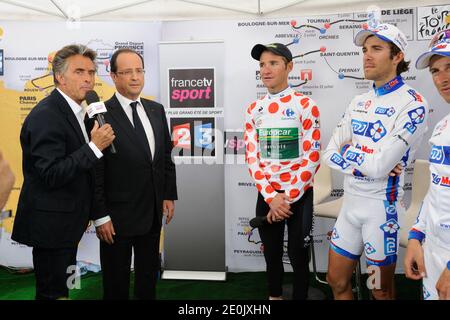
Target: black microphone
(258,221)
(97,108)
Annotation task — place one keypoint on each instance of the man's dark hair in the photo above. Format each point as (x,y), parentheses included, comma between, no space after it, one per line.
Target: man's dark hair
(113,61)
(403,65)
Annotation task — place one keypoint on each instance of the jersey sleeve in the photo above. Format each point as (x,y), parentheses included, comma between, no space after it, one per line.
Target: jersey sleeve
(310,143)
(409,128)
(252,157)
(332,155)
(418,229)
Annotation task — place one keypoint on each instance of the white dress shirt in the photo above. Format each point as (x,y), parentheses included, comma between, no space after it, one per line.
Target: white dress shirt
(125,103)
(80,114)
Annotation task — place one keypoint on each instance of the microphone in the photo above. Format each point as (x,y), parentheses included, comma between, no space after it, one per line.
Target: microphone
(258,221)
(97,108)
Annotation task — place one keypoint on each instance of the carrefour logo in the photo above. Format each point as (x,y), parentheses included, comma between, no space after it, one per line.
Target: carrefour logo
(376,131)
(288,113)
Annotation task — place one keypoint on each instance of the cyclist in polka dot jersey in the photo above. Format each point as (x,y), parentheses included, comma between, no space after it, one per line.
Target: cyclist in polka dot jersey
(282,137)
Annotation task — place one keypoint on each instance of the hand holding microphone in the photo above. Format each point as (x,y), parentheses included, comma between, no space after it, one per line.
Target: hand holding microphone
(102,134)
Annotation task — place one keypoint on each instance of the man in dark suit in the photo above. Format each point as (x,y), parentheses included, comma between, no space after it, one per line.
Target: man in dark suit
(135,186)
(58,167)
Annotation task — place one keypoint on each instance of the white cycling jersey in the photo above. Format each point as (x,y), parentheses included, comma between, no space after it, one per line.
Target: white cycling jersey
(433,221)
(383,127)
(282,137)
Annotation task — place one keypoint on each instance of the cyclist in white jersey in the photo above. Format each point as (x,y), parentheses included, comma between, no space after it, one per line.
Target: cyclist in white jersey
(282,137)
(431,261)
(376,138)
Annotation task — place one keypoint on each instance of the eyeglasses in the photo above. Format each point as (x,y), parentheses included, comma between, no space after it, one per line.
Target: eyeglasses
(130,72)
(443,36)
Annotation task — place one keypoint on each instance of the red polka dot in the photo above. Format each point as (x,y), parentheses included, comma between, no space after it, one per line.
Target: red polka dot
(294,181)
(314,156)
(304,163)
(269,200)
(316,134)
(294,193)
(250,147)
(315,111)
(305,103)
(285,163)
(276,185)
(251,160)
(257,155)
(250,171)
(305,176)
(248,126)
(269,189)
(251,107)
(285,177)
(298,94)
(307,124)
(306,187)
(286,99)
(306,145)
(259,187)
(259,175)
(295,167)
(267,176)
(273,107)
(275,168)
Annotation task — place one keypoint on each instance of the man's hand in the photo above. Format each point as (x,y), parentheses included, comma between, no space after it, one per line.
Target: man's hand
(414,262)
(397,170)
(6,181)
(443,285)
(102,136)
(168,209)
(105,232)
(279,208)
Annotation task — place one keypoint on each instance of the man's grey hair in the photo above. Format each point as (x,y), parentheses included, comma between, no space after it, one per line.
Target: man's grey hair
(60,64)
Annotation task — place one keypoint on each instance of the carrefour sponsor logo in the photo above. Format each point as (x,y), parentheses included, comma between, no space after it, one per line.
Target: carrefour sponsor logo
(375,131)
(288,114)
(355,157)
(338,160)
(385,111)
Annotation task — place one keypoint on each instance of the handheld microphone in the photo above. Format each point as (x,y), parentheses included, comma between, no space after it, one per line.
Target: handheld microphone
(258,221)
(97,108)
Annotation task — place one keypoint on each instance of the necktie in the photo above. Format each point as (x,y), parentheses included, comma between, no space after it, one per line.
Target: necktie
(139,128)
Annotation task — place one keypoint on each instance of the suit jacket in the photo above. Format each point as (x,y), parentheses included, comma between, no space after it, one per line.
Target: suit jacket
(58,167)
(130,185)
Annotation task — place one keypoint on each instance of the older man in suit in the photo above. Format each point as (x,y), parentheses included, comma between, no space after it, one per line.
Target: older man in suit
(135,185)
(58,166)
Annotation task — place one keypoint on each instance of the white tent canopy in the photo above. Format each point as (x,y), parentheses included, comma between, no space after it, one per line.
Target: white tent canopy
(163,10)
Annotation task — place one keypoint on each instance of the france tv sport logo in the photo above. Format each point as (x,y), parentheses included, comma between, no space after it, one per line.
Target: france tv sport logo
(191,88)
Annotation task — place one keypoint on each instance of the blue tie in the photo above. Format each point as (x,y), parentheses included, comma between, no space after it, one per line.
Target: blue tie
(139,129)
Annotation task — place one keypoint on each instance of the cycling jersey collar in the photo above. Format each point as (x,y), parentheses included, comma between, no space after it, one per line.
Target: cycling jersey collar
(280,94)
(389,87)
